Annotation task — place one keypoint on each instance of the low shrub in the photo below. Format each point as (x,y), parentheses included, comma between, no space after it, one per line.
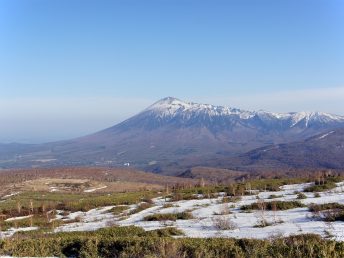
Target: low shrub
(140,207)
(328,212)
(317,195)
(119,209)
(228,199)
(165,232)
(274,196)
(168,205)
(326,206)
(113,243)
(278,205)
(184,196)
(301,196)
(168,216)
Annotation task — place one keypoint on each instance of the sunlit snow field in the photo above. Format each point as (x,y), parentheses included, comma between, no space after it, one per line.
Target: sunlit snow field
(207,211)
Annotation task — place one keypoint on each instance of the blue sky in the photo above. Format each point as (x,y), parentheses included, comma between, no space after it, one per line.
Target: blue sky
(69,67)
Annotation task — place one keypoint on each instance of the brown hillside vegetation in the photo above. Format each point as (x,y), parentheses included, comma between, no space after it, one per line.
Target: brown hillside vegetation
(84,179)
(214,175)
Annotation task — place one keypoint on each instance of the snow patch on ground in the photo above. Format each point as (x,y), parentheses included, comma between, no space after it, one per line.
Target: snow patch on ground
(94,189)
(88,221)
(10,195)
(10,232)
(18,218)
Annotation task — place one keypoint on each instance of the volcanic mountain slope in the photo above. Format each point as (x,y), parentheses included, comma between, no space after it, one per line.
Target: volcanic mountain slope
(325,150)
(172,133)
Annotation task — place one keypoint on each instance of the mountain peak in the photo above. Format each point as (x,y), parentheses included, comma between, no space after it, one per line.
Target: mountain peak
(169,99)
(168,103)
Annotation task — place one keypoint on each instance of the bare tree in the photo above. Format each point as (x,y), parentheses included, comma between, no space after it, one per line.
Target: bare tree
(202,183)
(31,221)
(261,213)
(18,207)
(223,223)
(31,206)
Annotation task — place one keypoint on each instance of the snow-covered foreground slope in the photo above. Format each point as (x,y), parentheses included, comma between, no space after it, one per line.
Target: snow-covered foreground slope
(206,213)
(293,221)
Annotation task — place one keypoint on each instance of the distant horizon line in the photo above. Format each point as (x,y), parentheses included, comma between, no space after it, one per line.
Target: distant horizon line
(28,142)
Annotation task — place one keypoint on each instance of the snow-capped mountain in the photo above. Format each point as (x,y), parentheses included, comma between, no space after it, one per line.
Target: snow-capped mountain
(172,134)
(172,107)
(174,112)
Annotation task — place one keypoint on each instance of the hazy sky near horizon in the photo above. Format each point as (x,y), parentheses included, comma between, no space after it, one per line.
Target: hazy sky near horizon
(72,67)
